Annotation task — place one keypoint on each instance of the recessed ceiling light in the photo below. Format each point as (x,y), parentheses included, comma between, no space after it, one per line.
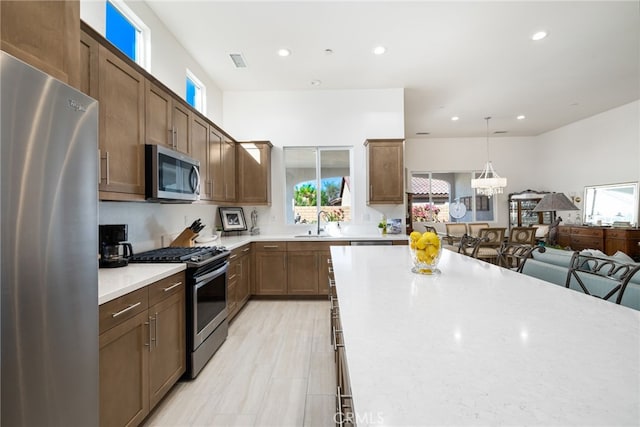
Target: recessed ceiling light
(379,50)
(284,52)
(316,82)
(521,117)
(539,35)
(455,118)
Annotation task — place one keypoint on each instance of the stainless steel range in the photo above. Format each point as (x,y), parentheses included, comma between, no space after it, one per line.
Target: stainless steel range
(206,298)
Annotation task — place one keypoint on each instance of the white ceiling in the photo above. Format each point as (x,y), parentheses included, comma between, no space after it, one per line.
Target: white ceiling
(468,59)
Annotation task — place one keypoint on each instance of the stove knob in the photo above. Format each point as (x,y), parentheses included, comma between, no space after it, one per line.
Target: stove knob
(195,258)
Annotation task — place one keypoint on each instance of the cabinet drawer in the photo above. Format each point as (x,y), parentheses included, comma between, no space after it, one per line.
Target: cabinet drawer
(114,312)
(166,287)
(238,252)
(270,246)
(314,246)
(584,231)
(580,242)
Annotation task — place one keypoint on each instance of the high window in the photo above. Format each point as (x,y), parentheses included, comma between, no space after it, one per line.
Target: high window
(127,32)
(448,197)
(195,93)
(317,179)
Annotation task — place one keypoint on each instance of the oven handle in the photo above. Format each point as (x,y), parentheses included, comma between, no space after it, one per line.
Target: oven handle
(206,277)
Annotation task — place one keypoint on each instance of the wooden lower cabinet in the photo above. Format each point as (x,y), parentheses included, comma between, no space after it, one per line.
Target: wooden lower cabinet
(142,350)
(292,268)
(270,261)
(302,272)
(239,280)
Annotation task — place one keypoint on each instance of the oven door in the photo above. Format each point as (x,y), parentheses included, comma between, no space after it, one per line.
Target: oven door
(209,302)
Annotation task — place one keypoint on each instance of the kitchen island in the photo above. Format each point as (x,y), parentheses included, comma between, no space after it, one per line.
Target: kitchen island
(481,345)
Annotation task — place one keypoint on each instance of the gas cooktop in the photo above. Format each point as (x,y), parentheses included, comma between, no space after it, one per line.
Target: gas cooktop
(196,255)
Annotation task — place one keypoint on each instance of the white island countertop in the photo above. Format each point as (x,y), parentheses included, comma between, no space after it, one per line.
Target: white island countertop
(481,345)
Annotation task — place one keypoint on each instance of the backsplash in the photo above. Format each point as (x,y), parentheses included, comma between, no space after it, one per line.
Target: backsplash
(149,222)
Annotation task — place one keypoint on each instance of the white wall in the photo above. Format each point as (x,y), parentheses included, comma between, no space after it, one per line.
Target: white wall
(169,60)
(313,118)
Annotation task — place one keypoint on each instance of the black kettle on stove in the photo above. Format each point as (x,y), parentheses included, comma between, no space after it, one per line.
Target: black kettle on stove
(114,250)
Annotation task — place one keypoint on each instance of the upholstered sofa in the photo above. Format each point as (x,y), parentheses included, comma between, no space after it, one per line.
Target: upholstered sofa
(553,266)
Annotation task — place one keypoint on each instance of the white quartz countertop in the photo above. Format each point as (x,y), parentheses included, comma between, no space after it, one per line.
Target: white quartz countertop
(115,282)
(481,345)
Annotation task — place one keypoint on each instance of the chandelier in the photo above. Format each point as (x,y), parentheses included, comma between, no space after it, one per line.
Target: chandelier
(489,182)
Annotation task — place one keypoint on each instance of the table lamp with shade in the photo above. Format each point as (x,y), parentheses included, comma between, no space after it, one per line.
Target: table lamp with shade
(554,202)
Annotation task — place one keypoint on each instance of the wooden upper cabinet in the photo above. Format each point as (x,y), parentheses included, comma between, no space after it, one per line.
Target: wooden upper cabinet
(181,126)
(121,129)
(89,51)
(167,120)
(216,168)
(385,171)
(229,166)
(158,108)
(199,150)
(253,160)
(45,34)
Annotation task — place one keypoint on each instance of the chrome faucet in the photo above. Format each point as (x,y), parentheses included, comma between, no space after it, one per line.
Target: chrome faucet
(319,213)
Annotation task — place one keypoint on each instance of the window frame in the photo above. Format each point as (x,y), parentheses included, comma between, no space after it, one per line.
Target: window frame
(143,39)
(473,203)
(318,180)
(201,92)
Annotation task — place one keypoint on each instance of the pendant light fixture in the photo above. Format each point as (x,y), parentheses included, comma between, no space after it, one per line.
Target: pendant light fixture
(489,182)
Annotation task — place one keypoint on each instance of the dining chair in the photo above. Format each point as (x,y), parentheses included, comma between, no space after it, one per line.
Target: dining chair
(526,235)
(513,255)
(493,237)
(455,231)
(475,227)
(602,278)
(469,245)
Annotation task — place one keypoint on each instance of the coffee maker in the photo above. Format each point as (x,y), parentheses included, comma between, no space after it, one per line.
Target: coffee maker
(111,238)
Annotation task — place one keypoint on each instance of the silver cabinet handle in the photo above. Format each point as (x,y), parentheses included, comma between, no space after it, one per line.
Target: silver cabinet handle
(246,249)
(148,344)
(155,330)
(131,307)
(232,276)
(270,246)
(172,286)
(107,167)
(152,337)
(233,256)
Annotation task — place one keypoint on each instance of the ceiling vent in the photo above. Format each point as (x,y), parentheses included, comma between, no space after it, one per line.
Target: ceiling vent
(238,60)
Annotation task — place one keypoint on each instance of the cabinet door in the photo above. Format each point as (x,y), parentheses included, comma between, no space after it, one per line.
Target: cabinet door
(181,128)
(243,290)
(229,162)
(323,272)
(385,173)
(216,173)
(44,34)
(254,173)
(199,150)
(271,273)
(302,273)
(121,127)
(89,48)
(124,370)
(167,353)
(158,129)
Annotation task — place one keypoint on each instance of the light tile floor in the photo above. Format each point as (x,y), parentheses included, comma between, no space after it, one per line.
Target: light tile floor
(276,368)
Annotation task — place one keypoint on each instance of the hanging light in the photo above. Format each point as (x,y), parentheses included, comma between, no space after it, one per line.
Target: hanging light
(489,182)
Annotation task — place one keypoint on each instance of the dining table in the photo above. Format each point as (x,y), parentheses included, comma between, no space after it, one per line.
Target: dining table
(478,344)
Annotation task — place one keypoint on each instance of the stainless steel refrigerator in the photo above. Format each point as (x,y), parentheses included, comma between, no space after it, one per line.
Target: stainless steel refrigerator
(49,278)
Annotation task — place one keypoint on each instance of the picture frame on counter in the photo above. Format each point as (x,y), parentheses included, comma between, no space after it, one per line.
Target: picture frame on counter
(232,219)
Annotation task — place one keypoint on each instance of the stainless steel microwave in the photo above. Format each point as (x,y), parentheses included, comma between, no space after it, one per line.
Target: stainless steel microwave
(170,176)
